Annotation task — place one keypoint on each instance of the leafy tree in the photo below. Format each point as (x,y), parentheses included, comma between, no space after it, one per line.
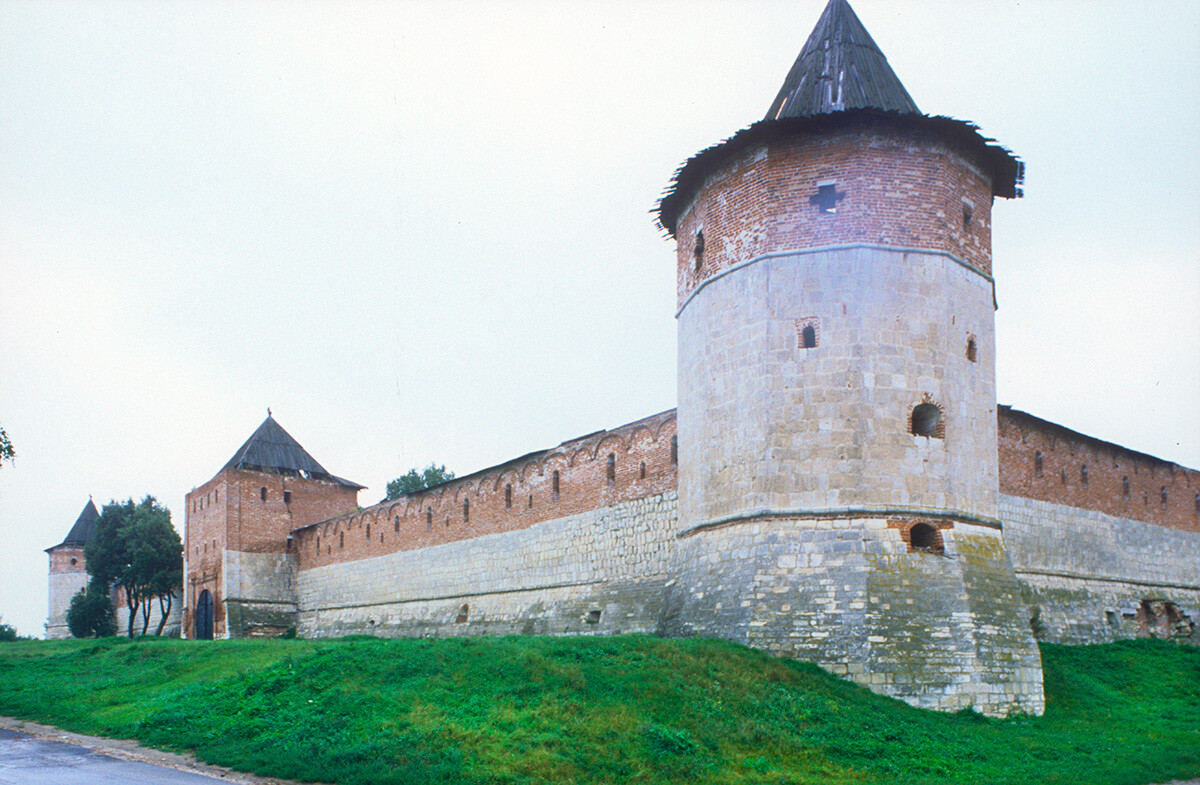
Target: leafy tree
(8,633)
(135,546)
(7,451)
(418,481)
(91,614)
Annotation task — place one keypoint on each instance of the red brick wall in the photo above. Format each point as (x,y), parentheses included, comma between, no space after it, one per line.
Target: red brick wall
(437,516)
(902,189)
(1066,456)
(229,512)
(61,559)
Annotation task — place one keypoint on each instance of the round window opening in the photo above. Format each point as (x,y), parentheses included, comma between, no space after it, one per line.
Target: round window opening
(926,418)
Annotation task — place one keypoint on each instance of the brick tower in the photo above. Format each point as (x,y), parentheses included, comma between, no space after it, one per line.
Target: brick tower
(68,571)
(837,406)
(238,558)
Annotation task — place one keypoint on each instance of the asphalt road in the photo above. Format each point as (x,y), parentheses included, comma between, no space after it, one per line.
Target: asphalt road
(30,760)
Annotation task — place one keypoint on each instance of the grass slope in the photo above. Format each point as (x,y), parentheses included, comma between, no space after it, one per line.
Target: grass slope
(599,710)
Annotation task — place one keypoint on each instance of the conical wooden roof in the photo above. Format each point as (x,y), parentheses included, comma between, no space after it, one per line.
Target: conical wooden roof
(272,449)
(84,528)
(840,67)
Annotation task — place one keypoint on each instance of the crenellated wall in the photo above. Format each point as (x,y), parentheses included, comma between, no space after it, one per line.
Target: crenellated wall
(596,471)
(1045,461)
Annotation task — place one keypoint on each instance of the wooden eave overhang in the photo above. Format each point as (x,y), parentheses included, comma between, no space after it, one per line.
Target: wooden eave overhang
(1006,171)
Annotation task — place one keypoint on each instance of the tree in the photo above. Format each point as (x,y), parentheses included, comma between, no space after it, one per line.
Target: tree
(418,481)
(8,633)
(7,451)
(91,614)
(135,547)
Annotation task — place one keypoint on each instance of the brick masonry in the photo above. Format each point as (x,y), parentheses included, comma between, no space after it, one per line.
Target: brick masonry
(68,577)
(237,535)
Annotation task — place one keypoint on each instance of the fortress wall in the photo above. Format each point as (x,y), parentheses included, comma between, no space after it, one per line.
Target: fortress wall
(940,631)
(259,593)
(577,477)
(1044,461)
(174,618)
(1091,577)
(599,571)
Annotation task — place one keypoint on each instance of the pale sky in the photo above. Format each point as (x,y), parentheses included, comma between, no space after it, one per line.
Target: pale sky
(421,231)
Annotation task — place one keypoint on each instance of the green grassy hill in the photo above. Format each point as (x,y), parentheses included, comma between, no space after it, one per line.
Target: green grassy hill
(599,710)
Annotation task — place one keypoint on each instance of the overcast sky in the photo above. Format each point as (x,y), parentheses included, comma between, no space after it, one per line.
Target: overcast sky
(421,230)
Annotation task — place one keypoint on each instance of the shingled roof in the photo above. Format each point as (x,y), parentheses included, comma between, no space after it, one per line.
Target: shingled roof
(840,80)
(839,68)
(272,449)
(84,528)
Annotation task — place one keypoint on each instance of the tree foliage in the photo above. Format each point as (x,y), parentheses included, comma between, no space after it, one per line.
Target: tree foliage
(417,480)
(7,451)
(136,547)
(91,614)
(8,633)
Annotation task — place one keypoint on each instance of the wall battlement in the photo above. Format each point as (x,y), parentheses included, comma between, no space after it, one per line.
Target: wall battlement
(633,461)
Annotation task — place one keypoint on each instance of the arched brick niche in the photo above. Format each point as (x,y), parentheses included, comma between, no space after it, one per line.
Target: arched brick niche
(922,535)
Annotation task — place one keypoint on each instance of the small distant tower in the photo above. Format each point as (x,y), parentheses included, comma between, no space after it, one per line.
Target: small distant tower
(838,472)
(68,571)
(238,561)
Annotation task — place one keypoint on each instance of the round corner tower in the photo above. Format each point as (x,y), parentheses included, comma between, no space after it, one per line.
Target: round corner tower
(838,470)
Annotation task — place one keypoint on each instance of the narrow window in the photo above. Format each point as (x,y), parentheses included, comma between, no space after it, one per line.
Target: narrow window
(1037,463)
(508,496)
(1162,497)
(463,612)
(967,214)
(396,524)
(972,350)
(698,250)
(1198,503)
(341,540)
(554,483)
(808,337)
(318,544)
(287,497)
(1125,487)
(1083,475)
(827,197)
(1145,499)
(531,501)
(642,471)
(429,519)
(262,494)
(674,449)
(466,510)
(1062,475)
(368,537)
(217,495)
(611,468)
(927,420)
